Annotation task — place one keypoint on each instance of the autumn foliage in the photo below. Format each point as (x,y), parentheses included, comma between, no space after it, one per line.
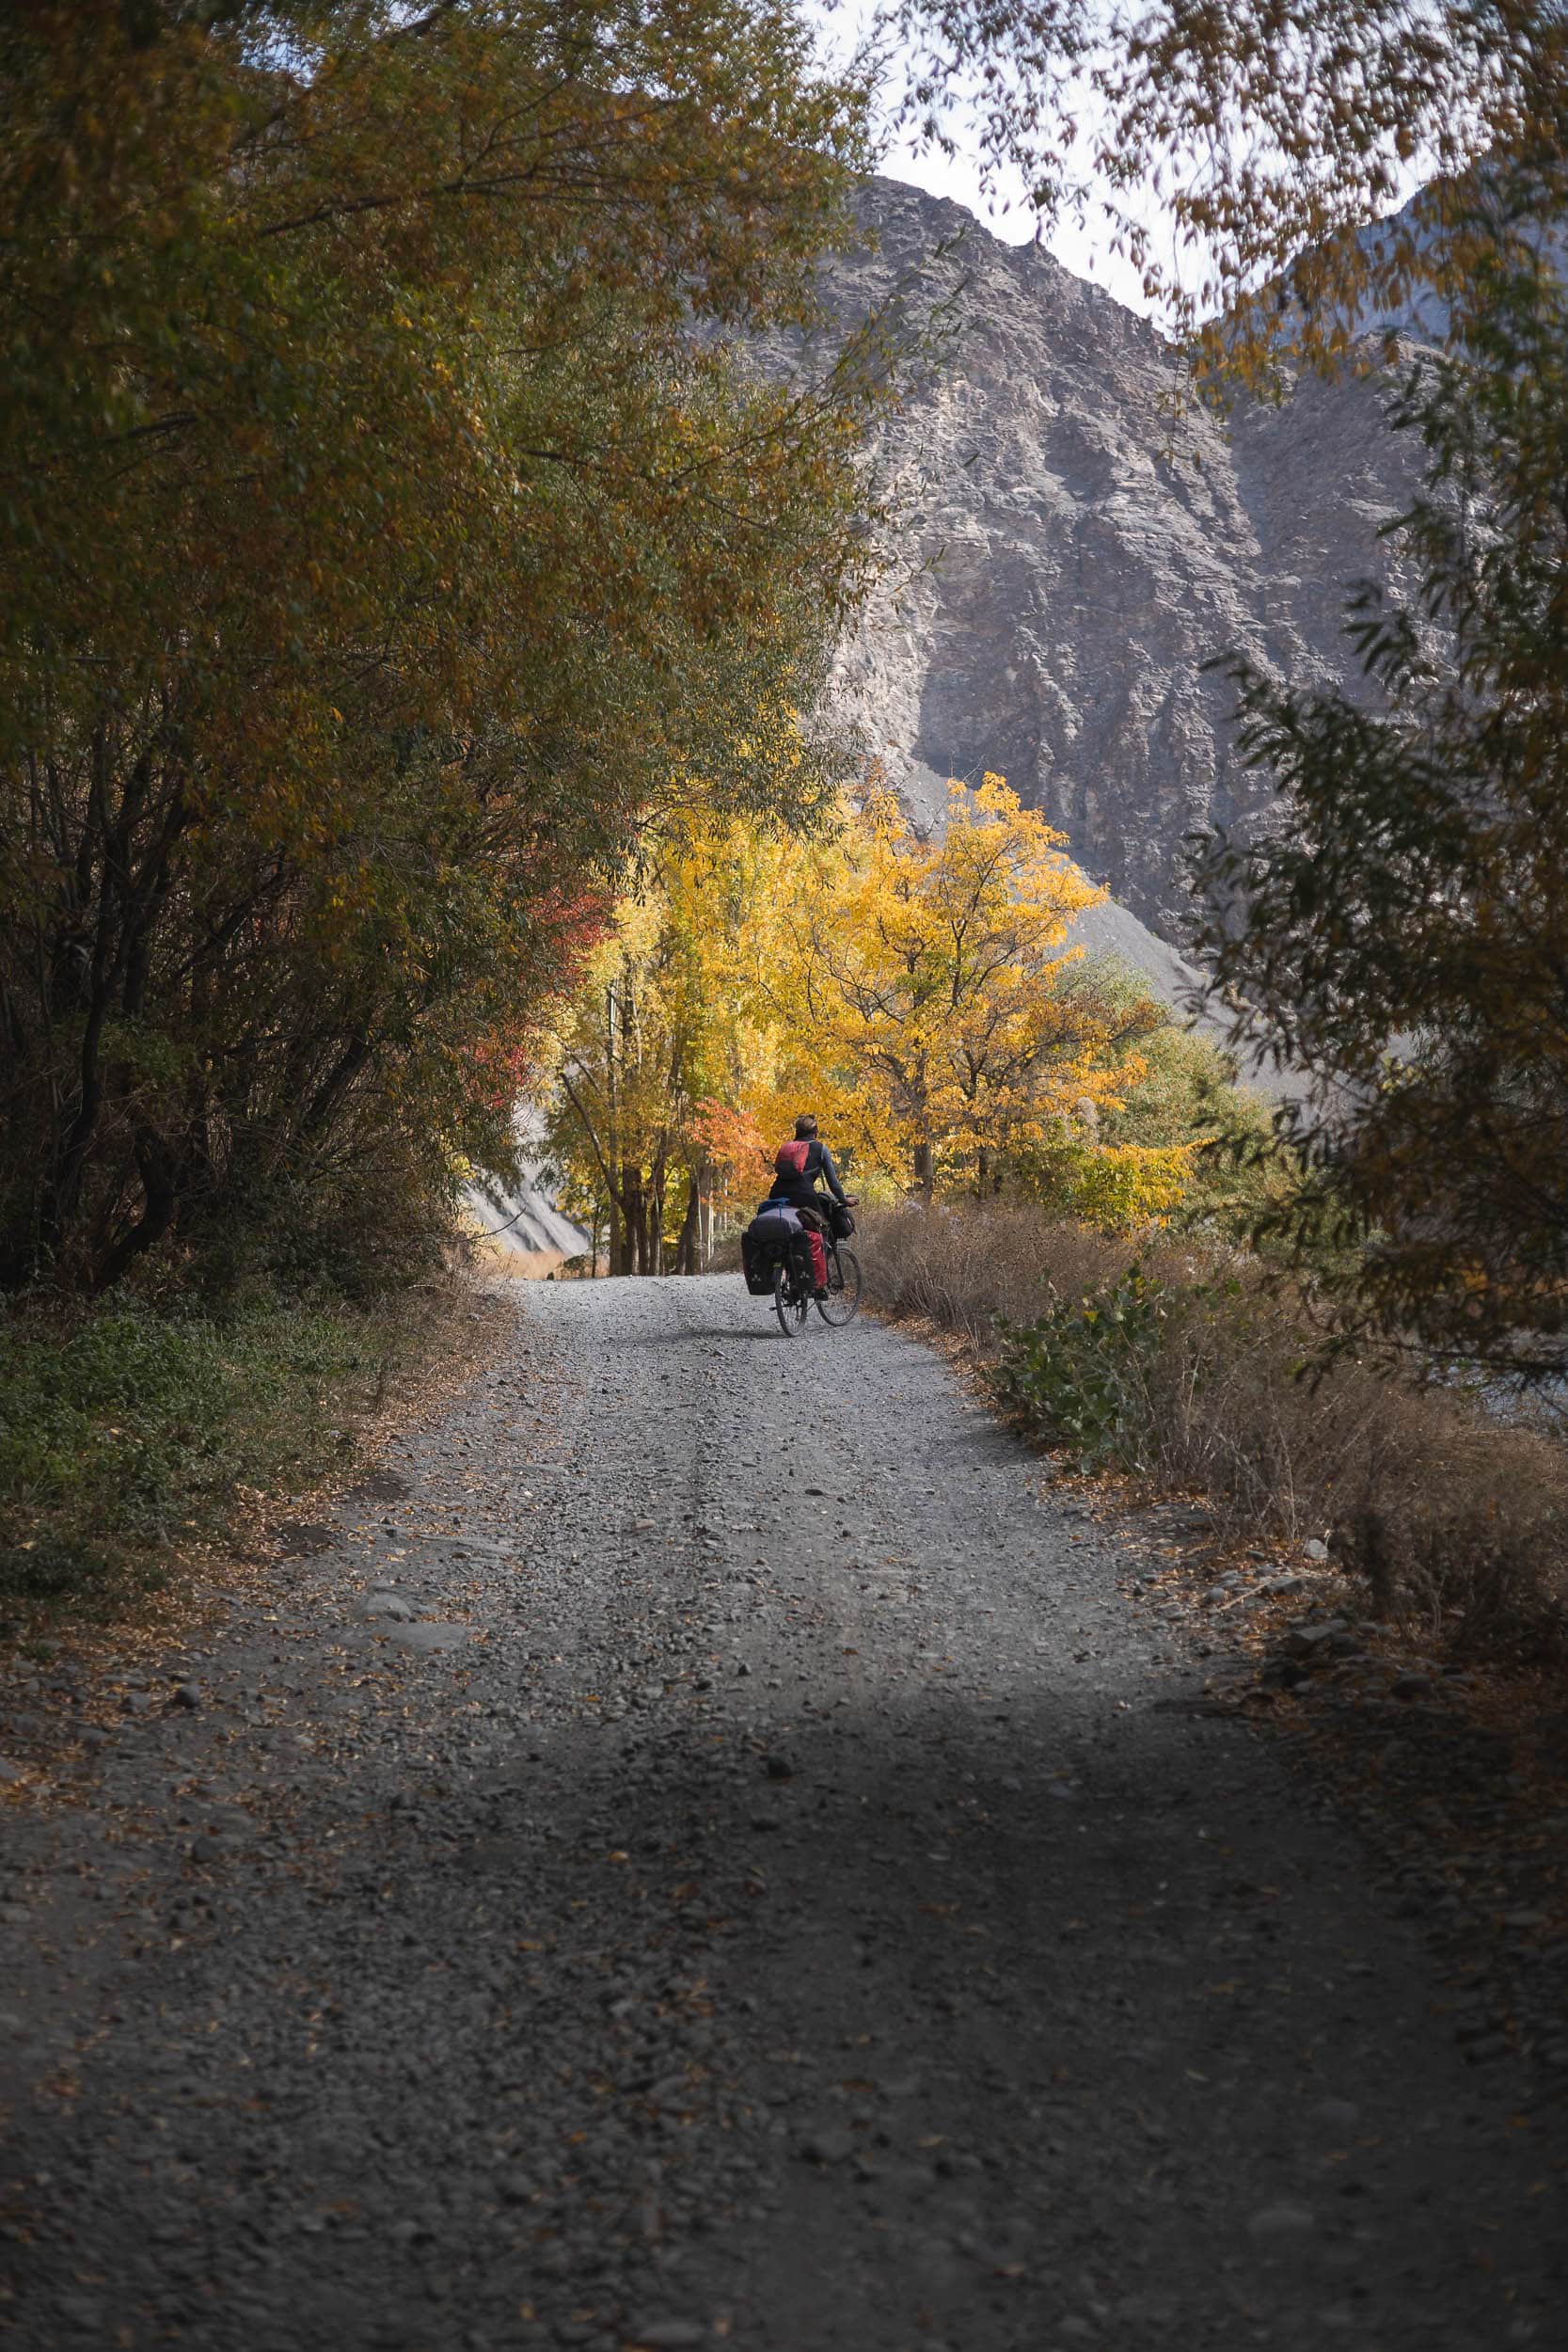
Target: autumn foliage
(1271,138)
(938,980)
(383,548)
(920,993)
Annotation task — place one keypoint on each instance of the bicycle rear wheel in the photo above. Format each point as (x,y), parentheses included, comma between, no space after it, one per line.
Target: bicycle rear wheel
(843,1301)
(789,1305)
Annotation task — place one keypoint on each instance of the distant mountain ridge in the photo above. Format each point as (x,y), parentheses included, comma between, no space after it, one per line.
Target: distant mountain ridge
(1073,550)
(1423,315)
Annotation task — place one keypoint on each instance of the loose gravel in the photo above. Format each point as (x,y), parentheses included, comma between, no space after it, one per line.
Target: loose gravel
(702,1849)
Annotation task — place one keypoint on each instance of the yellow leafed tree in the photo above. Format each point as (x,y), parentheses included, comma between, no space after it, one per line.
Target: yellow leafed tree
(937,978)
(666,1055)
(921,995)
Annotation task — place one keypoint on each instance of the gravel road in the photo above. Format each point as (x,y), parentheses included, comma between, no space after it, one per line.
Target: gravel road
(702,1848)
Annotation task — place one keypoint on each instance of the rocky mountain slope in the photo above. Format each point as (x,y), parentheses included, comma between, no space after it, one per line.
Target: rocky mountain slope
(1074,545)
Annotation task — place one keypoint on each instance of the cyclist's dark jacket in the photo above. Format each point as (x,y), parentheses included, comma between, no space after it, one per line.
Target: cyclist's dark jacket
(800,1191)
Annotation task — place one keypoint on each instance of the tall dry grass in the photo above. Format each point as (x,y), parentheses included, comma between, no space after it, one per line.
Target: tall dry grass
(1447,1513)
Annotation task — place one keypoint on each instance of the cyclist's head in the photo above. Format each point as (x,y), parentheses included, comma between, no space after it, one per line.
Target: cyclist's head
(805,1127)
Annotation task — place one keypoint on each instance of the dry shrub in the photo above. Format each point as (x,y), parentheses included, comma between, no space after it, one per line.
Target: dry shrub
(961,1269)
(1445,1512)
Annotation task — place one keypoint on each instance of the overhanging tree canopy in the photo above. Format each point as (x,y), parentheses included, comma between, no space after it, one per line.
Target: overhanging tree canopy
(1403,932)
(1272,134)
(379,544)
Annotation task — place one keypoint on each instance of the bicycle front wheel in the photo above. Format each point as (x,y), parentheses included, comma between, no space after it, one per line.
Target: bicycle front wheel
(788,1304)
(842,1303)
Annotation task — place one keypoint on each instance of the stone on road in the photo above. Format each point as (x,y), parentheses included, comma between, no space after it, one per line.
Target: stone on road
(705,1852)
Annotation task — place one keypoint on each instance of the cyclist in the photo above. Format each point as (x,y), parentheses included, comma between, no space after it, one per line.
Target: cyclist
(798,1169)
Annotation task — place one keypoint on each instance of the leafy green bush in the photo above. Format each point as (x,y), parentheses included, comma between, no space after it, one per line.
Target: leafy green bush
(125,1432)
(1078,1375)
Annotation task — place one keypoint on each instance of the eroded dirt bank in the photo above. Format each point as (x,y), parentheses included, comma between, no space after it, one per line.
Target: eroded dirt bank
(705,1852)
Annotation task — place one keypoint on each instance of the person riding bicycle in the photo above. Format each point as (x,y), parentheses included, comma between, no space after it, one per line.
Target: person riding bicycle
(797,1169)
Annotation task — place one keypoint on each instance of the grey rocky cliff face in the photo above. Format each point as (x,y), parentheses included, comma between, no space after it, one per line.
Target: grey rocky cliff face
(1074,543)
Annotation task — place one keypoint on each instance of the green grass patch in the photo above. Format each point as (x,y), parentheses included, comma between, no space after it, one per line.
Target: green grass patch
(128,1433)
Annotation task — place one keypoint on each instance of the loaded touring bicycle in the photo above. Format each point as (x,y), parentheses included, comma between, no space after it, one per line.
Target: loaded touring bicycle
(779,1262)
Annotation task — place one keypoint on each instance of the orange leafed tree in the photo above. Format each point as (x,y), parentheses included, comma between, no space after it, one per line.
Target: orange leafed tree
(936,976)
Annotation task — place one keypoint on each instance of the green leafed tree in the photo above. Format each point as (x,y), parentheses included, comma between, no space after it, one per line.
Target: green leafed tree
(1403,932)
(381,547)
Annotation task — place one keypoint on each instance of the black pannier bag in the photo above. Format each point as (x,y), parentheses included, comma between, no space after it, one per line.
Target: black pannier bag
(765,1241)
(759,1257)
(762,1246)
(840,1220)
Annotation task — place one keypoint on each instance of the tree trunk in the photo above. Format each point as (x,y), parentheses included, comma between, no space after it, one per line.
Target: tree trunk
(924,1170)
(689,1251)
(652,1245)
(160,1173)
(634,1224)
(704,1212)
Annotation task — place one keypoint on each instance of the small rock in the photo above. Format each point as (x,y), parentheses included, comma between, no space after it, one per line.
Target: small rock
(1282,2222)
(1523,1920)
(778,1768)
(1316,1549)
(187,1694)
(207,1848)
(1411,1686)
(742,1667)
(1315,1641)
(1283,1673)
(833,2145)
(427,1637)
(10,1773)
(1336,2115)
(669,2335)
(388,1605)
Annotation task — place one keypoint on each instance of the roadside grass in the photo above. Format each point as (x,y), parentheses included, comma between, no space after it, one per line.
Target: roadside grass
(132,1433)
(1189,1370)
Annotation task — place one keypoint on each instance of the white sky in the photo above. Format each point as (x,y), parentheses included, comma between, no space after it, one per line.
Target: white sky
(1001,205)
(1078,250)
